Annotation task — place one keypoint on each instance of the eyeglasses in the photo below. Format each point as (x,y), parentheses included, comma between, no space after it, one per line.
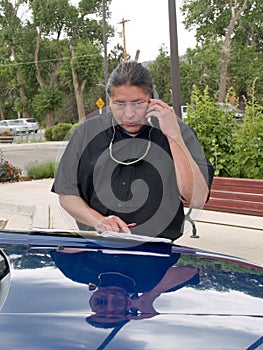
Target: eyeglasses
(138,105)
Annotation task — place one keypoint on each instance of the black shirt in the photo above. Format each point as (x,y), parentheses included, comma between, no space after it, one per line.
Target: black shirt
(144,192)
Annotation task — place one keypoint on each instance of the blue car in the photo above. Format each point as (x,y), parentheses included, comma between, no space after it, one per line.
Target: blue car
(65,291)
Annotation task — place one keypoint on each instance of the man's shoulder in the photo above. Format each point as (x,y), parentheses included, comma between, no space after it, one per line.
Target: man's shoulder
(99,119)
(95,124)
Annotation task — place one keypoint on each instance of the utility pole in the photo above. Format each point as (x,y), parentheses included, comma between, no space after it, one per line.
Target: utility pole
(174,57)
(105,47)
(137,55)
(124,37)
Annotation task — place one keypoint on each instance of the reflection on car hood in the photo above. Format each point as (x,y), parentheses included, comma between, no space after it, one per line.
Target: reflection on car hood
(174,297)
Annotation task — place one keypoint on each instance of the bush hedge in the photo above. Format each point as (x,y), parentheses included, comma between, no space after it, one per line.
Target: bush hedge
(59,132)
(43,170)
(235,149)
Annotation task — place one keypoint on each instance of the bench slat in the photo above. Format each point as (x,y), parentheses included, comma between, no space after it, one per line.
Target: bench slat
(248,197)
(237,181)
(233,195)
(238,185)
(235,206)
(243,189)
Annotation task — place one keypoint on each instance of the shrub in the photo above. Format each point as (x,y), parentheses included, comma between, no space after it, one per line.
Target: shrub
(215,129)
(48,134)
(60,132)
(42,170)
(248,160)
(8,172)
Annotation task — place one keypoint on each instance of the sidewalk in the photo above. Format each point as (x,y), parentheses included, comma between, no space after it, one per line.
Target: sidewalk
(31,203)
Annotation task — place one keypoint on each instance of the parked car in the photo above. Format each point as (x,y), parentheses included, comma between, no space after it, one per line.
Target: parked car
(184,112)
(70,292)
(4,127)
(237,113)
(31,124)
(14,125)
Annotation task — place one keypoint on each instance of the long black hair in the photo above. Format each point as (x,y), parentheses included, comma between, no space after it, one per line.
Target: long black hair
(131,73)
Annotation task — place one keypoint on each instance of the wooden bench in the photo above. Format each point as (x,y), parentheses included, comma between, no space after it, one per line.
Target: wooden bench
(234,195)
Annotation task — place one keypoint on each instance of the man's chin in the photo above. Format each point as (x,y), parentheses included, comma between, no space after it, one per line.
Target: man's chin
(132,128)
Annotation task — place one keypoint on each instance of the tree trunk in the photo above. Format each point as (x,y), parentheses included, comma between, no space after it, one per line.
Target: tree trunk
(21,89)
(80,105)
(23,95)
(49,119)
(78,89)
(226,49)
(40,80)
(2,116)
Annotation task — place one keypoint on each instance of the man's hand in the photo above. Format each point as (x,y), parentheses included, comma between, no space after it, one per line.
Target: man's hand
(112,223)
(166,116)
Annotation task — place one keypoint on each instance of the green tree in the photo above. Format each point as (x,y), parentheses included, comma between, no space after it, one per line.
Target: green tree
(243,70)
(223,20)
(83,37)
(16,48)
(161,73)
(50,18)
(85,44)
(200,67)
(115,57)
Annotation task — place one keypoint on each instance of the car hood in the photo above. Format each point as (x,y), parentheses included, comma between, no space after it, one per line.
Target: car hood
(45,296)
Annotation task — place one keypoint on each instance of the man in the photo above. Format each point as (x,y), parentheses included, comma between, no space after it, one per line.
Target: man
(124,282)
(134,165)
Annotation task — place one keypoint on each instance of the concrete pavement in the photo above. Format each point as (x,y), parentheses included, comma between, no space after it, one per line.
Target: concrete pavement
(31,203)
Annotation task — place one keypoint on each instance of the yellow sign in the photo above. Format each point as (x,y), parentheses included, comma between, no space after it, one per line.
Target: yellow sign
(100,103)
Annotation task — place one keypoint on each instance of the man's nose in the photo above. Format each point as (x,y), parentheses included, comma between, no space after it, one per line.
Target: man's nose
(110,307)
(129,110)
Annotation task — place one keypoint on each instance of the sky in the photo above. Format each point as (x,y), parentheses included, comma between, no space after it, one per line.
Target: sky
(147,28)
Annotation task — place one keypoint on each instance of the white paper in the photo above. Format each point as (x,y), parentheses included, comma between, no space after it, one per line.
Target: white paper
(105,234)
(130,236)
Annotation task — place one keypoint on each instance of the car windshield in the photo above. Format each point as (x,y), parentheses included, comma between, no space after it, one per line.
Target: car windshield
(16,122)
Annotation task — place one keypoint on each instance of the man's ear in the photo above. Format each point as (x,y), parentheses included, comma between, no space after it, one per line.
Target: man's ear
(129,303)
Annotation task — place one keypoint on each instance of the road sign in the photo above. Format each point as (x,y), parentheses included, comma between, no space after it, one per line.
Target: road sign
(100,103)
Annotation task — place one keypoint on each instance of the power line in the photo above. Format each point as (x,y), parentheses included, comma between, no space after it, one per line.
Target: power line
(44,61)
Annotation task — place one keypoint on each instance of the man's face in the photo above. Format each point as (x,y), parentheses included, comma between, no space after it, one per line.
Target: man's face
(129,105)
(109,300)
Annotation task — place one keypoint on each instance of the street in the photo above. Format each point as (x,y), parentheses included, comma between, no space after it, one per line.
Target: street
(25,154)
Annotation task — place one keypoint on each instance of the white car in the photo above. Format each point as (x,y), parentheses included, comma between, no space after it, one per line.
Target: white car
(31,124)
(184,112)
(16,127)
(4,127)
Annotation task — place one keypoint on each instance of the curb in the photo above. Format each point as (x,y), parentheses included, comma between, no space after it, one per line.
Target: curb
(35,215)
(41,216)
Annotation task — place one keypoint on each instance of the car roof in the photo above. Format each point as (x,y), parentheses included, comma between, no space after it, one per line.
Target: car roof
(48,300)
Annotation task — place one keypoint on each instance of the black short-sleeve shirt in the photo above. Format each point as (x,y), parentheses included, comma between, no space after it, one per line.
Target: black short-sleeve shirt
(145,191)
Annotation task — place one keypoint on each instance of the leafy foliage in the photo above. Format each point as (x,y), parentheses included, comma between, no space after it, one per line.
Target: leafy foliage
(160,71)
(48,98)
(235,149)
(215,130)
(248,161)
(237,27)
(58,132)
(42,170)
(200,67)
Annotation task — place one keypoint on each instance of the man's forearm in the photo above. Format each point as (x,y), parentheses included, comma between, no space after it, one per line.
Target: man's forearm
(80,210)
(190,180)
